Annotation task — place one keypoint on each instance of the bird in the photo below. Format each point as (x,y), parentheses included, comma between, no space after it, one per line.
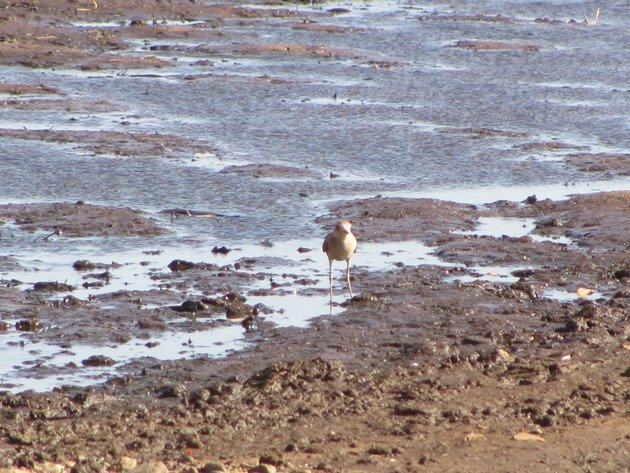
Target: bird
(340,245)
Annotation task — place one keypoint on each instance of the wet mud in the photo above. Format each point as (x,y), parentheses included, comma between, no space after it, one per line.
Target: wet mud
(464,347)
(410,369)
(115,143)
(80,219)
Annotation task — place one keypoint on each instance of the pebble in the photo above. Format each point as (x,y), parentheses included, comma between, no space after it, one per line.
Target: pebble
(212,467)
(263,468)
(128,463)
(98,360)
(49,467)
(150,467)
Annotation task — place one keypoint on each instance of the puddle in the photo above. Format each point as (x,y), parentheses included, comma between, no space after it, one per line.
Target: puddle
(30,365)
(118,24)
(564,296)
(290,306)
(495,274)
(290,309)
(577,86)
(488,194)
(498,227)
(341,101)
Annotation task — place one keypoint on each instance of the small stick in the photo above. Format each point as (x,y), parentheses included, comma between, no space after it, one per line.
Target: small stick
(45,238)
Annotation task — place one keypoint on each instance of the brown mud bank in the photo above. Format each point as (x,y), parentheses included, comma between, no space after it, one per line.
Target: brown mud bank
(41,34)
(80,219)
(423,371)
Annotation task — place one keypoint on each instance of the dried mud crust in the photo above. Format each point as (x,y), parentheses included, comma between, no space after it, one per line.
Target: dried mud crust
(420,373)
(80,219)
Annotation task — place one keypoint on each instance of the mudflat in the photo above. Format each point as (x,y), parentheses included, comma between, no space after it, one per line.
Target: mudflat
(428,368)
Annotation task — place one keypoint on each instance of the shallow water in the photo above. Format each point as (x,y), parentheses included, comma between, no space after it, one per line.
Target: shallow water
(375,117)
(47,262)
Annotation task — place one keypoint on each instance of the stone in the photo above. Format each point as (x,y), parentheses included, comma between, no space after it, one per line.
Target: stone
(150,467)
(128,463)
(212,467)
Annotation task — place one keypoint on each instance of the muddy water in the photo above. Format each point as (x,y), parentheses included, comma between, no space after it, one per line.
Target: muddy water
(399,110)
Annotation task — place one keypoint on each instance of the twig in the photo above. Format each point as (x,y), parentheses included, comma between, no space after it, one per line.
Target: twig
(45,238)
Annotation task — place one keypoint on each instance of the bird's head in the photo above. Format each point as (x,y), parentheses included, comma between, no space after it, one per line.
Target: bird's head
(343,227)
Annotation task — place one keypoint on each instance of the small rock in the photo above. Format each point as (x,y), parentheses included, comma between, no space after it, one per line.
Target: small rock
(190,438)
(233,296)
(177,390)
(270,459)
(572,326)
(105,276)
(528,289)
(151,467)
(52,286)
(238,310)
(30,325)
(363,298)
(548,222)
(153,323)
(188,306)
(128,463)
(523,273)
(180,265)
(504,355)
(338,10)
(88,285)
(472,436)
(71,301)
(98,360)
(527,437)
(587,414)
(544,421)
(223,250)
(263,468)
(83,265)
(212,467)
(378,450)
(89,465)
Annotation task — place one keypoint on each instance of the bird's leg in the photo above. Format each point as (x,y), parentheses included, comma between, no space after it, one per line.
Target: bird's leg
(330,279)
(348,276)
